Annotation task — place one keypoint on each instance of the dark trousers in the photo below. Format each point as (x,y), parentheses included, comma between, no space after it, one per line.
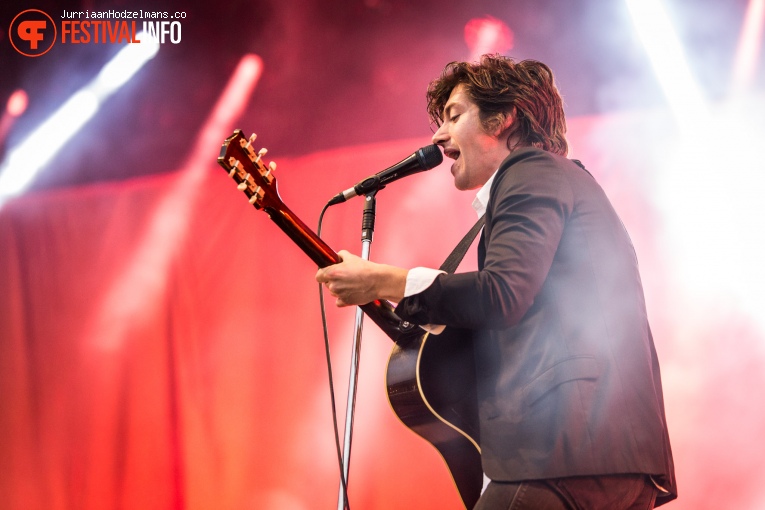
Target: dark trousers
(613,492)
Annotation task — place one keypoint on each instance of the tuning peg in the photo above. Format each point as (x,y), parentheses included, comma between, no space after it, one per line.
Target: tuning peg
(257,195)
(235,166)
(262,152)
(248,144)
(271,168)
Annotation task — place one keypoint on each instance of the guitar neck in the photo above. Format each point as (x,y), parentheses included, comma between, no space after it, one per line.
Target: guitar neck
(380,311)
(304,237)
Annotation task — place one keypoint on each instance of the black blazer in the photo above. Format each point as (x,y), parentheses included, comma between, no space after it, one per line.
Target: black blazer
(568,377)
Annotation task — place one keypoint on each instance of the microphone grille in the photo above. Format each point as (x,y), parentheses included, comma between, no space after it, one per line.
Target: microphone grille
(430,156)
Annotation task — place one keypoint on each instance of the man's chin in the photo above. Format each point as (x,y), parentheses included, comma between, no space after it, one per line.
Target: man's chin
(459,177)
(460,184)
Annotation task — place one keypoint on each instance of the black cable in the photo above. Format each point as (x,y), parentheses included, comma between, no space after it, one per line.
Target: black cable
(329,371)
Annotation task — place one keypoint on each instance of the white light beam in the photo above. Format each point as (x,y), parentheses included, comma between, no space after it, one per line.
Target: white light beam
(670,65)
(25,160)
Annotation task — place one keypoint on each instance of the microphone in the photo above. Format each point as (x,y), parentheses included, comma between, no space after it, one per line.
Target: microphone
(423,159)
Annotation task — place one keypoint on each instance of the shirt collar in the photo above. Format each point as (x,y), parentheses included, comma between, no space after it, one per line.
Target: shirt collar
(481,199)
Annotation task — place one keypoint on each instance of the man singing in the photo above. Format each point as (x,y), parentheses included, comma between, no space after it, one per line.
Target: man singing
(569,393)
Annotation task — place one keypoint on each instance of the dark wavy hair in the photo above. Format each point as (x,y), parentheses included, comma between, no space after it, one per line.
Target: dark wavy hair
(498,84)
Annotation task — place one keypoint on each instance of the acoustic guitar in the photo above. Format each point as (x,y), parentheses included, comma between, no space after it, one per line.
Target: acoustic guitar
(430,378)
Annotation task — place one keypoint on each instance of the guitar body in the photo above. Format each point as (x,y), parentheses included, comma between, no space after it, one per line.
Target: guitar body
(432,389)
(430,378)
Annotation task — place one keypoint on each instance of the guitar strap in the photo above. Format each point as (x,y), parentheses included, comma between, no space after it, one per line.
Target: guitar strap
(456,256)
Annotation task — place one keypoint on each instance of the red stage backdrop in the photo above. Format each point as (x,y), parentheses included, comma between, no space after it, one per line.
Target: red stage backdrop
(161,347)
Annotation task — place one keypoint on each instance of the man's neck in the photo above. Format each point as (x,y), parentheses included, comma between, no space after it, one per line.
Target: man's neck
(481,199)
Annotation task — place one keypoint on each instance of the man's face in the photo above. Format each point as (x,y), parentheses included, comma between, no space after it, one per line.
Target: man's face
(476,153)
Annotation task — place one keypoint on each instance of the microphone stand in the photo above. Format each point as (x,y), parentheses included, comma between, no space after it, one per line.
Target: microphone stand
(367,232)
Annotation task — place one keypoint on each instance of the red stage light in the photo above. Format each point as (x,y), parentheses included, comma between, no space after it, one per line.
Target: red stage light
(17,103)
(487,35)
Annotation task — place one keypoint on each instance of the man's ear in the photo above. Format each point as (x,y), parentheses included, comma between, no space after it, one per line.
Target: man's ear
(505,121)
(510,118)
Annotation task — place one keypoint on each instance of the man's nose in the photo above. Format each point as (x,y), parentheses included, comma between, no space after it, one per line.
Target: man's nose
(441,135)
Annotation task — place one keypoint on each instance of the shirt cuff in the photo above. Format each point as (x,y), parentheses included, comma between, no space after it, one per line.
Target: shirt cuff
(417,280)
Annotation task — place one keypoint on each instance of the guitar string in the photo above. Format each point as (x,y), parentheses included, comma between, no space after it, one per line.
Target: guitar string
(343,482)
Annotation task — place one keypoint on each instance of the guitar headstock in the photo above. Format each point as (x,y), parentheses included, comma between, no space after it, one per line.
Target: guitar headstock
(246,167)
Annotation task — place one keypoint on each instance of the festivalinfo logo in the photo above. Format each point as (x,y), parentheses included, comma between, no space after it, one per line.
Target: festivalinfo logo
(34,32)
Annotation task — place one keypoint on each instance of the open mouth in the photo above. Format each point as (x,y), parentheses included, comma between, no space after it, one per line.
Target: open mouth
(453,154)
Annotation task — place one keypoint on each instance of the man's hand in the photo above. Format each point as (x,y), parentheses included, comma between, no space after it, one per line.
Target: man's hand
(356,281)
